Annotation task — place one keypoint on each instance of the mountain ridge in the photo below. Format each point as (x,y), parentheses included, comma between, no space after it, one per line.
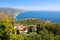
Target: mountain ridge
(11,12)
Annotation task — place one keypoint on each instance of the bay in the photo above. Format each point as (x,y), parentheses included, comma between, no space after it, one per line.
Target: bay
(54,16)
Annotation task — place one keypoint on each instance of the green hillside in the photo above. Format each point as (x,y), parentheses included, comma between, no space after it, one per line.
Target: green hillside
(32,21)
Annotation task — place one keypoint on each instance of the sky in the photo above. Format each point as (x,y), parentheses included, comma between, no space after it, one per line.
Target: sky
(32,4)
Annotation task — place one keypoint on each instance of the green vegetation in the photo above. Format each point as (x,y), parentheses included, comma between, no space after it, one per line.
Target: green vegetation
(45,31)
(31,21)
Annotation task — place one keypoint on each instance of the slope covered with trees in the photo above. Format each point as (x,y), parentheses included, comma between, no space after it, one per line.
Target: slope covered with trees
(45,31)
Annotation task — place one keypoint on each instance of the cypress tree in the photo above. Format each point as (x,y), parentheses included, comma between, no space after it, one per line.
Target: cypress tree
(30,29)
(38,28)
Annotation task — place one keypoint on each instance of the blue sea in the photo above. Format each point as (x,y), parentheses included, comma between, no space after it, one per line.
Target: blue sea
(54,16)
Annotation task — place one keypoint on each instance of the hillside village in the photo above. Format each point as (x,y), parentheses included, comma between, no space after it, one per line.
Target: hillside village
(24,29)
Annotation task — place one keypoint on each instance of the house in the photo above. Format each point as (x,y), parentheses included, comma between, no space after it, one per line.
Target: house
(21,28)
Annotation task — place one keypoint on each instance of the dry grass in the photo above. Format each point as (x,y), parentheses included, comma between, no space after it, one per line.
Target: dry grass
(3,15)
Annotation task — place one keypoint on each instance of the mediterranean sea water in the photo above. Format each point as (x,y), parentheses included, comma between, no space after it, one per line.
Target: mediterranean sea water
(54,16)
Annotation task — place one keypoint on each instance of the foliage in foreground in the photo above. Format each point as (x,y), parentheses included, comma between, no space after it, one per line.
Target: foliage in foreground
(48,32)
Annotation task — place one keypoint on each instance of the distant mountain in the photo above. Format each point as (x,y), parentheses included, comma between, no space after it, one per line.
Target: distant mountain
(11,12)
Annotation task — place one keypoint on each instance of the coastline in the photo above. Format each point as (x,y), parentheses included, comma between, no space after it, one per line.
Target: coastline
(18,14)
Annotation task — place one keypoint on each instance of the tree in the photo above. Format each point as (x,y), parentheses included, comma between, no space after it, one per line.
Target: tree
(13,37)
(30,29)
(38,28)
(33,37)
(6,29)
(45,35)
(21,36)
(57,37)
(17,31)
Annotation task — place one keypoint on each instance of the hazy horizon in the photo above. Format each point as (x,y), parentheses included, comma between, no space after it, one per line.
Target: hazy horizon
(32,4)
